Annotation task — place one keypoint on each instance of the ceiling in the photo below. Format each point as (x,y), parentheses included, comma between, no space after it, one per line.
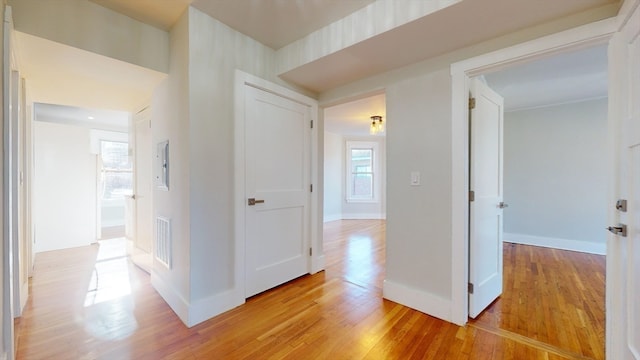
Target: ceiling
(565,78)
(274,23)
(93,118)
(279,22)
(353,118)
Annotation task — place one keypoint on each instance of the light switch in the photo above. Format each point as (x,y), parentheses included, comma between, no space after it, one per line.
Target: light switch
(415,178)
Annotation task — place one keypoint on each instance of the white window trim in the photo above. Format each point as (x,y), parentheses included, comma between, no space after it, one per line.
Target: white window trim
(356,144)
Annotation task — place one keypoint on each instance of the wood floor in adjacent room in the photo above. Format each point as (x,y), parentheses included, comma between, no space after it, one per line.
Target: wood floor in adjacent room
(91,303)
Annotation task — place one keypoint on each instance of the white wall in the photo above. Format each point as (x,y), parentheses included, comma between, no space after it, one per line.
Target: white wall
(91,27)
(333,176)
(193,109)
(419,217)
(555,176)
(64,187)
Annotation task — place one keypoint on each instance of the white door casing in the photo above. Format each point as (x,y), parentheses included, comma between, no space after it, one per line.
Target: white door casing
(142,182)
(623,260)
(277,139)
(485,212)
(584,36)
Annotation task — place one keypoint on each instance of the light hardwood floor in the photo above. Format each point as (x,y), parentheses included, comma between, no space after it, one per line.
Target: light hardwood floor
(91,303)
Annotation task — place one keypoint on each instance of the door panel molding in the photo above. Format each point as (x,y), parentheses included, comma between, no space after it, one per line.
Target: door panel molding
(242,81)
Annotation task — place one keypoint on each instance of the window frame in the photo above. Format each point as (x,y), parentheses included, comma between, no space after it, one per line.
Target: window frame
(349,174)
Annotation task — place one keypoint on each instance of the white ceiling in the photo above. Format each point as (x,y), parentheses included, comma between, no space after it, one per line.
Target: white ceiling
(354,118)
(564,78)
(55,71)
(277,23)
(92,118)
(61,74)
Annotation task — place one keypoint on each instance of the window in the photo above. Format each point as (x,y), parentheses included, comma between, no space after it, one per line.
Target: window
(362,184)
(117,171)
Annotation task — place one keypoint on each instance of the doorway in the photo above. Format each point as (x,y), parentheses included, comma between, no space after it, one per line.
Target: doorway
(354,212)
(555,186)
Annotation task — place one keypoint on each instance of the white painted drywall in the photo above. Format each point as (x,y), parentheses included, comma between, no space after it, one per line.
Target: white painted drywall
(555,172)
(419,217)
(94,28)
(194,110)
(64,187)
(333,176)
(215,52)
(170,121)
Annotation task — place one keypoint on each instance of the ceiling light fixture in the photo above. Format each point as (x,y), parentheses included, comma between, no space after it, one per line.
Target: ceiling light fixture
(377,127)
(90,117)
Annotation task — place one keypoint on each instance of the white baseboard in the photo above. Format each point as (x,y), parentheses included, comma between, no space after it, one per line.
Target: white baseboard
(332,217)
(417,299)
(171,297)
(363,216)
(317,263)
(205,309)
(556,243)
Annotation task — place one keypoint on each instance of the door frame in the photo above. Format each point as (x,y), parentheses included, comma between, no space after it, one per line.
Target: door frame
(596,33)
(316,262)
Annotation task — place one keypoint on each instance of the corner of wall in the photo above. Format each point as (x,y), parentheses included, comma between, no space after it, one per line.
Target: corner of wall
(179,305)
(417,299)
(204,309)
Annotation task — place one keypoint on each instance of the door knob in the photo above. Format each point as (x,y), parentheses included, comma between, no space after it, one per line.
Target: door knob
(253,201)
(503,205)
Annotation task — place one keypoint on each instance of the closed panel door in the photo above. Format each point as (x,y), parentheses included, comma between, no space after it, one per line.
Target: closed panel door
(277,190)
(485,231)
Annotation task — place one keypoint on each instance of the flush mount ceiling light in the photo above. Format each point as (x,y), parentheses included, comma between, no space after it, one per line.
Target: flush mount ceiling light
(377,127)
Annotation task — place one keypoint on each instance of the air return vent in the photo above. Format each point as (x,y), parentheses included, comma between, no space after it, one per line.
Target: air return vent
(163,241)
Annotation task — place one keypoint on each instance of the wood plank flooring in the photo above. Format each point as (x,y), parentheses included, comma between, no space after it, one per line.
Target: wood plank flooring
(91,303)
(552,296)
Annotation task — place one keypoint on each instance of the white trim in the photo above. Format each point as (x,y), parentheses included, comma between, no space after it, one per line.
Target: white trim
(580,37)
(7,255)
(364,216)
(376,177)
(332,217)
(589,247)
(204,309)
(316,262)
(417,299)
(179,305)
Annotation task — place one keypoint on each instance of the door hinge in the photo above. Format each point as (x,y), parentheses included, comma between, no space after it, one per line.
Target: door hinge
(310,251)
(472,103)
(472,195)
(470,288)
(311,188)
(312,124)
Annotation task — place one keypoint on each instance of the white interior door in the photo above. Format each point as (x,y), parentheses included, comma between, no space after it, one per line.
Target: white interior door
(485,211)
(623,251)
(277,157)
(143,181)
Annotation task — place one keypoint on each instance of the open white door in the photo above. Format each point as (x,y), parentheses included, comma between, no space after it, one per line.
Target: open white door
(623,248)
(142,207)
(277,165)
(486,207)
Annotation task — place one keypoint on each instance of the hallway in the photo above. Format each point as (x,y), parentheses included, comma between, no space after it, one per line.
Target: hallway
(335,314)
